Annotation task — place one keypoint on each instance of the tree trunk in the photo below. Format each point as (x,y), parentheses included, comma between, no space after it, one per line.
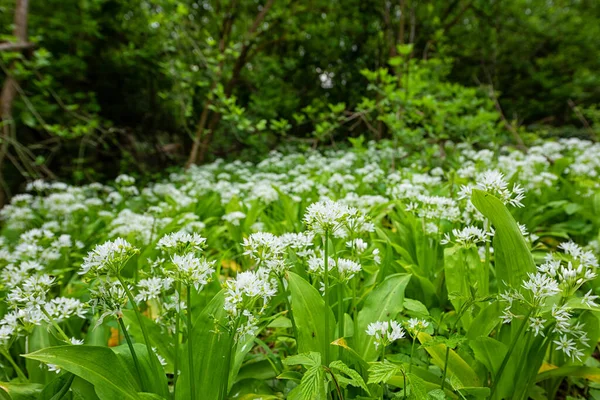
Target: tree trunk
(9,91)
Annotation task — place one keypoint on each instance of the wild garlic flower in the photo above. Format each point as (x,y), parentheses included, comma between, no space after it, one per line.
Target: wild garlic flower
(493,182)
(151,288)
(555,279)
(300,243)
(108,257)
(341,269)
(178,242)
(468,236)
(241,296)
(63,308)
(358,245)
(191,270)
(328,216)
(109,298)
(262,246)
(347,269)
(416,325)
(385,332)
(234,218)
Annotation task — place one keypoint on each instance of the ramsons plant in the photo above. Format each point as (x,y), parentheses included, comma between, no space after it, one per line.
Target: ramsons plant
(349,274)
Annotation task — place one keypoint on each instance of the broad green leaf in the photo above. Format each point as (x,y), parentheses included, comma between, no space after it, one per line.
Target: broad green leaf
(381,372)
(83,390)
(355,378)
(590,373)
(512,258)
(312,384)
(157,337)
(213,348)
(310,359)
(19,391)
(152,380)
(489,352)
(418,387)
(98,365)
(466,277)
(383,303)
(485,322)
(353,356)
(309,314)
(58,387)
(457,367)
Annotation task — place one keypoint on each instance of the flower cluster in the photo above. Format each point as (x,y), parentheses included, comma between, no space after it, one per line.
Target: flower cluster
(248,291)
(547,296)
(385,332)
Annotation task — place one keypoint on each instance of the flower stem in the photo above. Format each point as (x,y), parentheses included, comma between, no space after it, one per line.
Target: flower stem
(511,348)
(55,325)
(177,338)
(138,315)
(190,348)
(12,362)
(132,351)
(340,309)
(445,367)
(289,306)
(412,352)
(326,295)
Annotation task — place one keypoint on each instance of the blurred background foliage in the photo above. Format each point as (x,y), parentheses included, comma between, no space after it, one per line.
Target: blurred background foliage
(136,86)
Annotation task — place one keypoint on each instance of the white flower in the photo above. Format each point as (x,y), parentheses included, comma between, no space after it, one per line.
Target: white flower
(385,332)
(588,299)
(247,287)
(358,244)
(108,255)
(536,324)
(415,325)
(262,246)
(151,288)
(566,345)
(468,236)
(179,241)
(328,216)
(347,268)
(234,218)
(191,270)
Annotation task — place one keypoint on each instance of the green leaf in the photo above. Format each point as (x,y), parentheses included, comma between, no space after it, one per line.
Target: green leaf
(466,276)
(490,352)
(19,391)
(152,380)
(98,365)
(213,348)
(355,379)
(57,388)
(309,314)
(383,303)
(312,384)
(381,372)
(157,337)
(457,366)
(305,359)
(512,258)
(590,373)
(418,388)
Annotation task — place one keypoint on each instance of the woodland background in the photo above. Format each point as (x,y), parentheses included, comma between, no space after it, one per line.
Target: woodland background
(94,88)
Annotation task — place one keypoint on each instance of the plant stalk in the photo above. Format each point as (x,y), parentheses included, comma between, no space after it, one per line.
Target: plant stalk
(190,342)
(511,348)
(138,315)
(326,295)
(136,362)
(12,362)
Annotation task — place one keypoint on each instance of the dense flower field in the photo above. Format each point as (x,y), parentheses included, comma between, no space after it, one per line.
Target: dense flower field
(357,274)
